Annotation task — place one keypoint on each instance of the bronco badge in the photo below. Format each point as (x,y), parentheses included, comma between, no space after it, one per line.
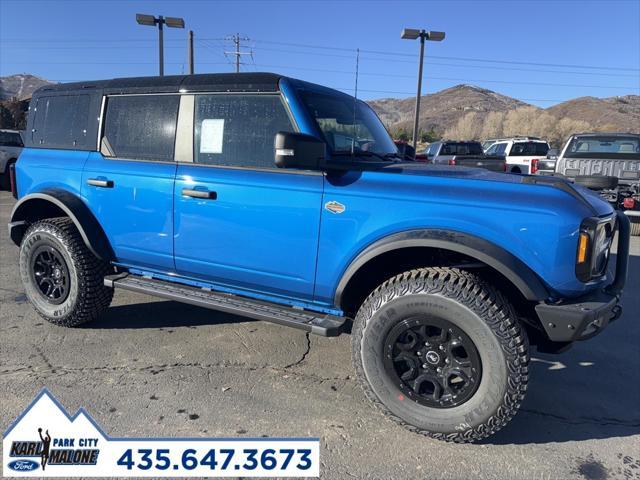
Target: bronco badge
(334,207)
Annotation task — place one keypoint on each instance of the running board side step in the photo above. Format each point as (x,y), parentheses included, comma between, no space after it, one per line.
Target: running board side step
(314,322)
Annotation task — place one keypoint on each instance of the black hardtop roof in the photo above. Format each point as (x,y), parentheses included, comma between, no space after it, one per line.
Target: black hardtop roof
(210,82)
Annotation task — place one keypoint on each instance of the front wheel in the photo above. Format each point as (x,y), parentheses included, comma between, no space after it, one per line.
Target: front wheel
(441,352)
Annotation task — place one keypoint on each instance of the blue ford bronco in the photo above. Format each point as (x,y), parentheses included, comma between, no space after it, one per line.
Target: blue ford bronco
(285,201)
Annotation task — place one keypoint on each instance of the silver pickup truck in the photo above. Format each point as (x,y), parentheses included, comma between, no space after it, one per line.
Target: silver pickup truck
(463,153)
(608,163)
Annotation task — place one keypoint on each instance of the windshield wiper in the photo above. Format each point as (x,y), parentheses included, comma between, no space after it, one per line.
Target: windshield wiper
(363,153)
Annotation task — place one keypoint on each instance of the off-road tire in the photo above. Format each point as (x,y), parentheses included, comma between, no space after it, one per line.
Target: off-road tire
(635,226)
(87,296)
(474,306)
(597,182)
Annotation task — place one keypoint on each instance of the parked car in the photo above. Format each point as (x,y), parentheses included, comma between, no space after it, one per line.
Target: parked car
(547,166)
(10,149)
(608,163)
(522,154)
(462,153)
(280,200)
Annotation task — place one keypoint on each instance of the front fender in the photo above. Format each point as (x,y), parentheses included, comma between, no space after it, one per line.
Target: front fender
(522,277)
(54,202)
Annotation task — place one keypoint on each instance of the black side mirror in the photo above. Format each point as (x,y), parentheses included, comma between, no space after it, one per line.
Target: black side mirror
(298,150)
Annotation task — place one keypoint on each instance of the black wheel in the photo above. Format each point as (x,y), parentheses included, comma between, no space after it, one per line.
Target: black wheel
(442,353)
(597,182)
(62,278)
(635,226)
(515,170)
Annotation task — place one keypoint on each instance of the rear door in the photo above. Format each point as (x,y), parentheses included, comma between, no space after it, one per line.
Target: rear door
(239,221)
(128,185)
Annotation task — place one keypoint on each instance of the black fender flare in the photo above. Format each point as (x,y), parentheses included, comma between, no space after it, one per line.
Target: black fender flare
(24,212)
(511,267)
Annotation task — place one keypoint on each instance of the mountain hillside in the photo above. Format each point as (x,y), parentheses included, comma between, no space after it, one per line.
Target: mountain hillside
(441,110)
(623,112)
(20,86)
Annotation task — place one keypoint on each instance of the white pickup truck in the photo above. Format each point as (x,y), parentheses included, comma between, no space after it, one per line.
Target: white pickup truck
(608,163)
(522,154)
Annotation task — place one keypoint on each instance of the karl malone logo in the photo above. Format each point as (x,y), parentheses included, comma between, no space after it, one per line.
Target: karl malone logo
(63,452)
(30,444)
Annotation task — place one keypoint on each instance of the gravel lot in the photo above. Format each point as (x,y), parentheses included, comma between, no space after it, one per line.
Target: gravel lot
(157,368)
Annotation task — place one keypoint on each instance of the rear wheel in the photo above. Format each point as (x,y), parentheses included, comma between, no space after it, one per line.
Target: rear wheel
(62,278)
(441,352)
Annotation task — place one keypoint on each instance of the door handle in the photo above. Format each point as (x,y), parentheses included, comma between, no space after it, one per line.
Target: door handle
(206,194)
(97,182)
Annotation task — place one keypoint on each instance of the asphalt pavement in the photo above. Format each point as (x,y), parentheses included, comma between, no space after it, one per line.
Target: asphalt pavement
(151,367)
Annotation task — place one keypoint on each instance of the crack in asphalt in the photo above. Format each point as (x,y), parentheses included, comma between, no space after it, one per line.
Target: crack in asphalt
(304,354)
(604,421)
(156,369)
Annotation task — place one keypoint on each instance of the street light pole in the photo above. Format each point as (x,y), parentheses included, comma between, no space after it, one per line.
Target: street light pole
(412,34)
(161,44)
(419,94)
(160,21)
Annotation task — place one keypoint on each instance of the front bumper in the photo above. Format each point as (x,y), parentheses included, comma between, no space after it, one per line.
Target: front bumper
(583,317)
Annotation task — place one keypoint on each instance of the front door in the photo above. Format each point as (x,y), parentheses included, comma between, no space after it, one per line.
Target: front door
(239,221)
(128,185)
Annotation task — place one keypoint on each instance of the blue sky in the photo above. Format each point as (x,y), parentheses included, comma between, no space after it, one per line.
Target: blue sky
(543,52)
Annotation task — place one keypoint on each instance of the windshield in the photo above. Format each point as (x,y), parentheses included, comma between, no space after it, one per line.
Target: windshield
(604,147)
(461,148)
(335,117)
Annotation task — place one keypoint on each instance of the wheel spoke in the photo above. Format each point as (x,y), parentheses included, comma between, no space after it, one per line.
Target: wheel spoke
(433,361)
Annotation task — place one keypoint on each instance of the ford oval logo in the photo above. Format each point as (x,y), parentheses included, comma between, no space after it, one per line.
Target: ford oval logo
(23,465)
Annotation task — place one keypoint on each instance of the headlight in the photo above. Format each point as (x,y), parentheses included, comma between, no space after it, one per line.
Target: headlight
(594,245)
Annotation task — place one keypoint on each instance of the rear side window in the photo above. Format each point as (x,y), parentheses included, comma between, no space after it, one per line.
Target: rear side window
(523,149)
(61,122)
(10,139)
(238,130)
(141,127)
(461,148)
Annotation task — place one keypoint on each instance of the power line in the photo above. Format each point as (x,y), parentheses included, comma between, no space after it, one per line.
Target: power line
(346,72)
(404,54)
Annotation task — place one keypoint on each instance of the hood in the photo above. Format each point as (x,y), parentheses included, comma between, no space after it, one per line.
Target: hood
(589,198)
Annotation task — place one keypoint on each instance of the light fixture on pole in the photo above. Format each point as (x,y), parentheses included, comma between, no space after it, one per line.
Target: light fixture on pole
(160,21)
(413,34)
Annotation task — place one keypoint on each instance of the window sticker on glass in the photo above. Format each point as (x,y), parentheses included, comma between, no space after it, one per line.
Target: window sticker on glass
(211,135)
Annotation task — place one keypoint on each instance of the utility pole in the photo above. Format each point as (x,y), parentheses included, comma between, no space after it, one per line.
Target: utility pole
(237,51)
(236,40)
(191,66)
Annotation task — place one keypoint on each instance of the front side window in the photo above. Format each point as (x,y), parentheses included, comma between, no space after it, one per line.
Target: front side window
(347,124)
(497,149)
(141,127)
(238,130)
